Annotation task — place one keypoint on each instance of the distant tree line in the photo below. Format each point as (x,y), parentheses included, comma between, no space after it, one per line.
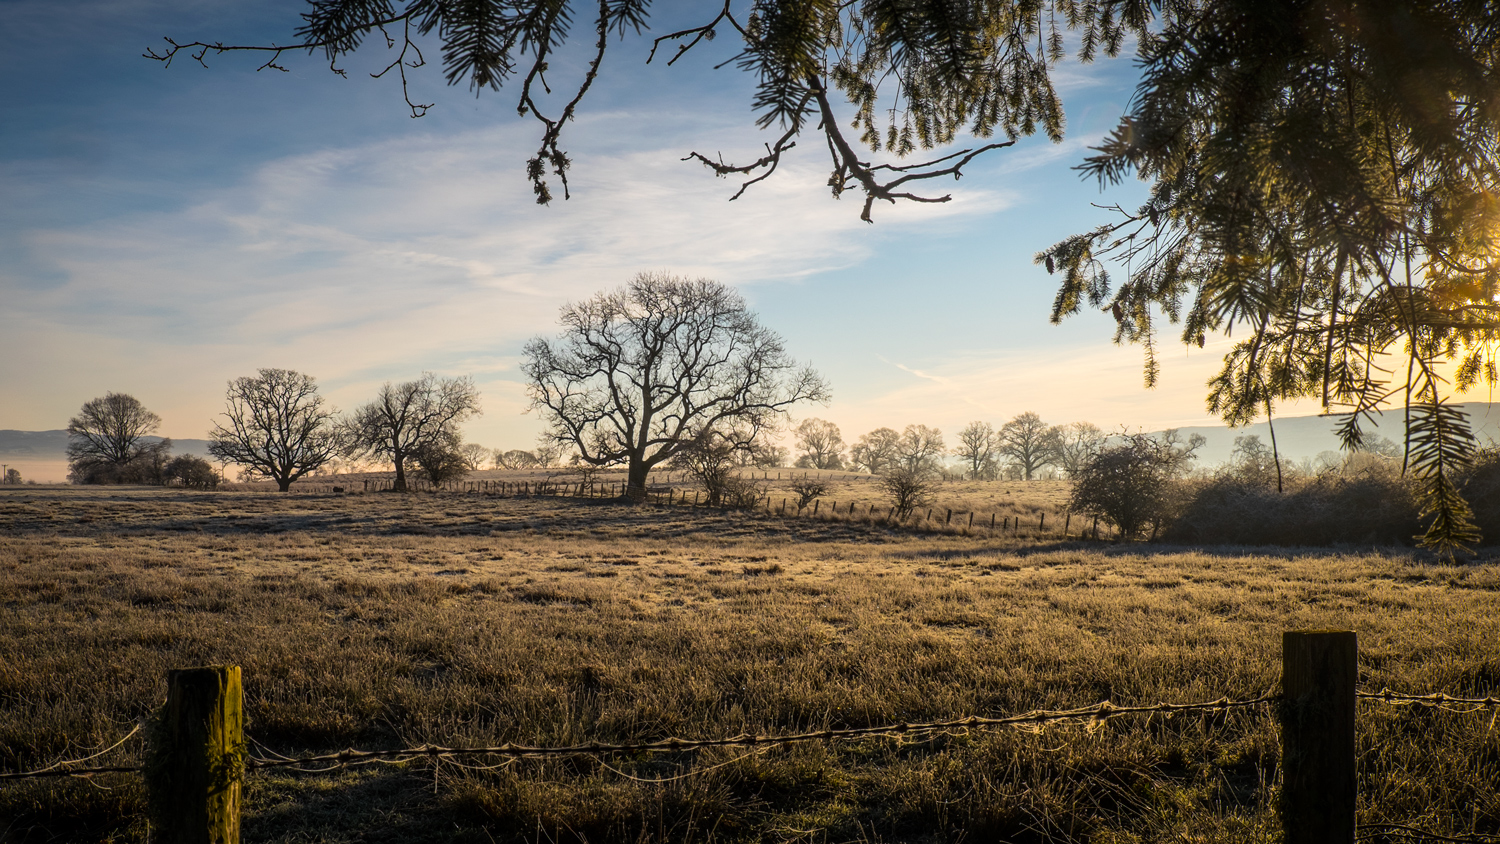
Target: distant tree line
(1020,449)
(277,427)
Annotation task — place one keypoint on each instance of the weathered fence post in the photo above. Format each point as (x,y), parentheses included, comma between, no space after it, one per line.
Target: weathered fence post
(1319,672)
(198,758)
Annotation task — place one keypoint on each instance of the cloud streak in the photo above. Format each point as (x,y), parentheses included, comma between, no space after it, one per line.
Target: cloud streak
(377,261)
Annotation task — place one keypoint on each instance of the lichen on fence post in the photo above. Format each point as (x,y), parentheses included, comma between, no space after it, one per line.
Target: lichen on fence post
(196,763)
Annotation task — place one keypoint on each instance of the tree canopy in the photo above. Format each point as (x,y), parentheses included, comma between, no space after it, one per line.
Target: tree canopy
(107,442)
(415,420)
(277,426)
(641,373)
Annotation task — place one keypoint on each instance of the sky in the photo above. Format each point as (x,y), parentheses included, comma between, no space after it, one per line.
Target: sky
(170,229)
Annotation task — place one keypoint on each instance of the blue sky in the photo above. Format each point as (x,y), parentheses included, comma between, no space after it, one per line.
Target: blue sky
(168,229)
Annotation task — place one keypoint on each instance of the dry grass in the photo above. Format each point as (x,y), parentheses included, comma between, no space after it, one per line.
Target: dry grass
(385,620)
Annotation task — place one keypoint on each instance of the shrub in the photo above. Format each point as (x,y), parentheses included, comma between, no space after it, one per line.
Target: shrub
(192,472)
(1369,507)
(441,460)
(148,466)
(1128,485)
(908,488)
(741,493)
(808,490)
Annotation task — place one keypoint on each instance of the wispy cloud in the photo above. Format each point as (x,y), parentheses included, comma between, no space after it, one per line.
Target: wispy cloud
(376,261)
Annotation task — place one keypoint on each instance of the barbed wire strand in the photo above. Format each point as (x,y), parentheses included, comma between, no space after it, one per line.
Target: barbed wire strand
(686,774)
(1435,699)
(1404,830)
(66,767)
(1097,715)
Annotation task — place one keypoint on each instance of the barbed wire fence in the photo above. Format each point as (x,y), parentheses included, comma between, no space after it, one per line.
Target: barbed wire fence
(216,691)
(1094,716)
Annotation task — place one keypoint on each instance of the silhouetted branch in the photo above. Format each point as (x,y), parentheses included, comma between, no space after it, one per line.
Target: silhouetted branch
(699,33)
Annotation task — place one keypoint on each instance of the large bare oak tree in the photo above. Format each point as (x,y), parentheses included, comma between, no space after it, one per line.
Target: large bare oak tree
(407,418)
(107,442)
(640,373)
(277,426)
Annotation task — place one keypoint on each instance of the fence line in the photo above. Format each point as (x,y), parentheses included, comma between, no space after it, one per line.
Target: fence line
(1096,714)
(667,495)
(657,494)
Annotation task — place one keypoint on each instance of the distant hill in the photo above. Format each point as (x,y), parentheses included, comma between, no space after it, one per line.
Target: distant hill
(1305,436)
(53,445)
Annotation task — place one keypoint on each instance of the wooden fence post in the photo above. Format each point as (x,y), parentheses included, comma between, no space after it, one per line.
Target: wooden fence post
(1319,672)
(198,763)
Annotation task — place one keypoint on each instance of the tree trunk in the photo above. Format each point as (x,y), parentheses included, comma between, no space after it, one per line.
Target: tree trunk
(283,484)
(635,482)
(400,484)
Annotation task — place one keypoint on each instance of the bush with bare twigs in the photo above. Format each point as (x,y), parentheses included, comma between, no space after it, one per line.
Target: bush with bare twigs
(808,490)
(908,488)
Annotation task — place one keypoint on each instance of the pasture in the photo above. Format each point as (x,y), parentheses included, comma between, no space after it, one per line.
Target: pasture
(388,620)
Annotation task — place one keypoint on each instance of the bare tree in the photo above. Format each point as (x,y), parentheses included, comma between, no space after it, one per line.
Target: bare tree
(876,451)
(107,442)
(640,373)
(1181,452)
(1072,445)
(408,417)
(111,429)
(548,452)
(976,446)
(761,453)
(920,449)
(516,459)
(278,427)
(474,456)
(711,461)
(821,445)
(442,457)
(1025,441)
